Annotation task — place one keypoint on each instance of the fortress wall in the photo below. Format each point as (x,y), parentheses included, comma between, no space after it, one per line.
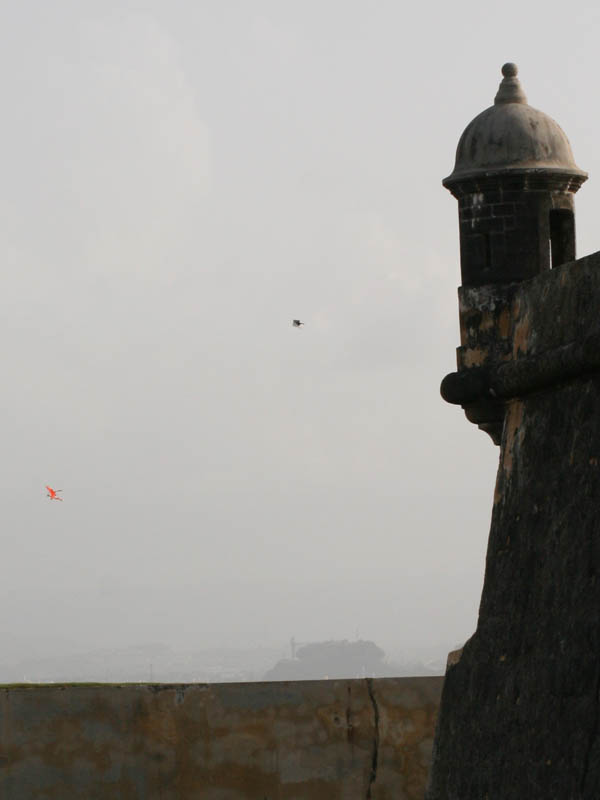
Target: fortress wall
(522,699)
(295,740)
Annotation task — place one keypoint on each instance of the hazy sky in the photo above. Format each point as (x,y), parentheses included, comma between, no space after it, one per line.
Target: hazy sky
(180,179)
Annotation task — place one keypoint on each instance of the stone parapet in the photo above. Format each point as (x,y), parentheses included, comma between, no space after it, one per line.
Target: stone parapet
(522,337)
(296,740)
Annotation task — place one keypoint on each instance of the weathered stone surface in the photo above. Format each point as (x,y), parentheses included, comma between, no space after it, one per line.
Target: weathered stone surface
(523,337)
(303,740)
(526,336)
(520,712)
(520,708)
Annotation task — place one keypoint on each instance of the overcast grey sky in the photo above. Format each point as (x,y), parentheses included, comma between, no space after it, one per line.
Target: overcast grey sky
(180,179)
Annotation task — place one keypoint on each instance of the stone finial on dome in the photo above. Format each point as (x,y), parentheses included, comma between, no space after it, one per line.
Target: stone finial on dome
(510,90)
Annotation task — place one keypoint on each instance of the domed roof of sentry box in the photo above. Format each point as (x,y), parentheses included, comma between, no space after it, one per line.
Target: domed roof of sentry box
(512,136)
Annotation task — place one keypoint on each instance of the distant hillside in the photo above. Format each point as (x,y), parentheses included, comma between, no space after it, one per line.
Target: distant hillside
(343,659)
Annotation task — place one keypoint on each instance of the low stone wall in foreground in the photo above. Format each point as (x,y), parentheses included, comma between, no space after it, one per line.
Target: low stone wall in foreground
(296,740)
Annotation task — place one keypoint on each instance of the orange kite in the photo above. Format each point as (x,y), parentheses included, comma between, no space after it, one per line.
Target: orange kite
(53,494)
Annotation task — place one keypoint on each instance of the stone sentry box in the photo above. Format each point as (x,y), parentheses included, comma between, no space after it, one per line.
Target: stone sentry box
(515,179)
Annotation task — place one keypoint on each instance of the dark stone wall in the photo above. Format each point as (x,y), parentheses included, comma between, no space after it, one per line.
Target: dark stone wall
(506,230)
(520,711)
(492,226)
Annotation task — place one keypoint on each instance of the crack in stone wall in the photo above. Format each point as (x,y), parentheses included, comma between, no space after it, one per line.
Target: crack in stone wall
(375,756)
